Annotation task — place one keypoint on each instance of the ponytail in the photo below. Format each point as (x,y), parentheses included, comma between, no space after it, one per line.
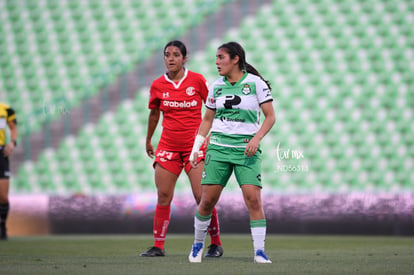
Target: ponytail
(250,69)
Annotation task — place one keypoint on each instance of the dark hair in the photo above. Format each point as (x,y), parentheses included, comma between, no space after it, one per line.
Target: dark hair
(235,49)
(180,45)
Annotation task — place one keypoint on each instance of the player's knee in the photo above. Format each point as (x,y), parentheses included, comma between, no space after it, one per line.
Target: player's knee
(253,203)
(164,198)
(197,199)
(4,199)
(207,205)
(197,195)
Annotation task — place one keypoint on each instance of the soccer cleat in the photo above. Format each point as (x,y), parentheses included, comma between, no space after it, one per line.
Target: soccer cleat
(261,258)
(3,232)
(196,253)
(214,251)
(153,252)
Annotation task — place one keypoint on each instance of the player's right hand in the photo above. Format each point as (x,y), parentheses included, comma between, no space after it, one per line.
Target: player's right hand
(198,141)
(150,150)
(193,159)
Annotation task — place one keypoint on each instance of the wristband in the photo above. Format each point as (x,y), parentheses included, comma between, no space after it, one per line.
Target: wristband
(198,141)
(15,143)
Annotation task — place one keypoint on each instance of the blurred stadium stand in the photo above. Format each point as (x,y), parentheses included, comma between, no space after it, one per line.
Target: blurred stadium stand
(78,74)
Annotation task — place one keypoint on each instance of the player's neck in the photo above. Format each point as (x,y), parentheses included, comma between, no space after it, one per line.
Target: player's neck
(176,75)
(235,76)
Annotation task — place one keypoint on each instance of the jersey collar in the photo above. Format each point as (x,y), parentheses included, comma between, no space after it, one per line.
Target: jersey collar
(177,85)
(238,82)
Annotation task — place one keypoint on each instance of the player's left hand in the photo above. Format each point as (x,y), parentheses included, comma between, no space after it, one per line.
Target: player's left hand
(8,150)
(252,147)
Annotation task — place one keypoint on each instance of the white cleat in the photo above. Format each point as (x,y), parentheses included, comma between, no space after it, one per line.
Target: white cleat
(261,258)
(196,253)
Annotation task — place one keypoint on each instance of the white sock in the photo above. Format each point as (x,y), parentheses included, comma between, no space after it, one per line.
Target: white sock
(258,234)
(201,224)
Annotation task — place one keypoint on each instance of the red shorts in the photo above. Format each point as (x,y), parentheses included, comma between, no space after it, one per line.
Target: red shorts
(176,161)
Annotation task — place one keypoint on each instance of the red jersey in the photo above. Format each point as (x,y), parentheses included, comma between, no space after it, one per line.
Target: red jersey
(180,103)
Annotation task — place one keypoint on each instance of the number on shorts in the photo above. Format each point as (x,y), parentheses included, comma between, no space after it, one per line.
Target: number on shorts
(165,154)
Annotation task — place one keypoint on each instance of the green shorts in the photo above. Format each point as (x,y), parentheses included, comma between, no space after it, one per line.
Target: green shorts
(221,161)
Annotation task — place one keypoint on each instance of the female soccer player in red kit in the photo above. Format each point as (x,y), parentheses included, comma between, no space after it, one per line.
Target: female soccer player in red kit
(179,94)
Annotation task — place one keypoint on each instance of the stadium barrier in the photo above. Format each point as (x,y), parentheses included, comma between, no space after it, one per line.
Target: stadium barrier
(359,213)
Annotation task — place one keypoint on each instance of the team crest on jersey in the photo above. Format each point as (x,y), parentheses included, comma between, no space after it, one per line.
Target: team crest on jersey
(190,91)
(246,89)
(166,95)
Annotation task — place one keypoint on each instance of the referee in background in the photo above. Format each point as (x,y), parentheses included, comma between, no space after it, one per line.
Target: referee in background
(7,119)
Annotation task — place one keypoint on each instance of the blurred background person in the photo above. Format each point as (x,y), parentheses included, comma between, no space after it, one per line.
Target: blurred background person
(7,119)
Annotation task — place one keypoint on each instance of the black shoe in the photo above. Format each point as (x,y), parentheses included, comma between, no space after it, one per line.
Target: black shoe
(214,251)
(153,252)
(3,233)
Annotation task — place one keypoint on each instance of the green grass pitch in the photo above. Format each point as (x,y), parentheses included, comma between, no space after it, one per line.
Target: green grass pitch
(119,254)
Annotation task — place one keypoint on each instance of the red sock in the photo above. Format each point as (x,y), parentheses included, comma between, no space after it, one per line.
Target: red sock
(214,228)
(161,221)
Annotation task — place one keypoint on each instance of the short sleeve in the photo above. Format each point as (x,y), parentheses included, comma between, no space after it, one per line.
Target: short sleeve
(154,101)
(263,92)
(211,101)
(11,115)
(204,90)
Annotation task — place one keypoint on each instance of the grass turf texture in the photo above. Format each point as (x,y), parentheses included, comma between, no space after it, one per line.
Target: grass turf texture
(108,254)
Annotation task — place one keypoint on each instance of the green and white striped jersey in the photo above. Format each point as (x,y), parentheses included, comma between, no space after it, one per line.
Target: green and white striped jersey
(237,109)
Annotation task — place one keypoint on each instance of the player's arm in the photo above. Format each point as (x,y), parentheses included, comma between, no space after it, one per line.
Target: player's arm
(153,119)
(207,122)
(12,123)
(204,90)
(203,131)
(267,124)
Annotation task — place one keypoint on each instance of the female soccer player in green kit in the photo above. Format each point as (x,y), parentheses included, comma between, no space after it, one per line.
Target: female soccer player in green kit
(233,116)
